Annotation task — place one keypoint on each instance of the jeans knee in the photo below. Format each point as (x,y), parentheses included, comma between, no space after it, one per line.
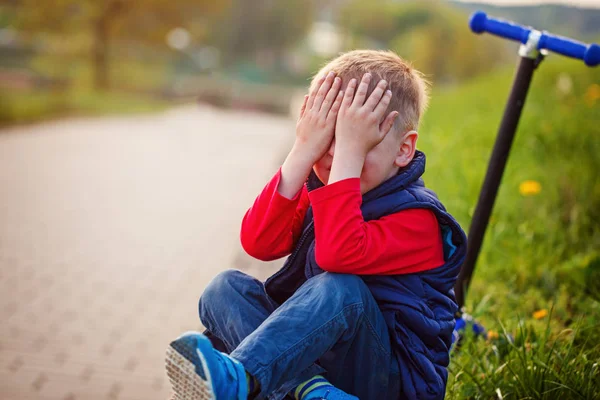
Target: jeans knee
(214,298)
(350,288)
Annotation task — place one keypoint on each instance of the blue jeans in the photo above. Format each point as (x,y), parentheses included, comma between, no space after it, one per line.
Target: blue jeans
(330,326)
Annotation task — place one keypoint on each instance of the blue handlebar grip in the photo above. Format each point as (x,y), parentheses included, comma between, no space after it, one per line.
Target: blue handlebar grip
(480,23)
(571,48)
(590,54)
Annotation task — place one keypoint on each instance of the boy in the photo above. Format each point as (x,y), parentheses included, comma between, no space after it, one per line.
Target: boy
(364,306)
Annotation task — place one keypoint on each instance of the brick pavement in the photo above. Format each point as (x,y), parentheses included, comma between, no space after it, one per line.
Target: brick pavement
(109,230)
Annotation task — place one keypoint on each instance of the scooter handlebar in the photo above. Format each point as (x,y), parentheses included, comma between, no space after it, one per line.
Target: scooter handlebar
(590,54)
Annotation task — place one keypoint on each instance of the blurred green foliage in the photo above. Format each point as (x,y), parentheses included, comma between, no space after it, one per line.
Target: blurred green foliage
(87,26)
(435,36)
(60,47)
(17,107)
(264,28)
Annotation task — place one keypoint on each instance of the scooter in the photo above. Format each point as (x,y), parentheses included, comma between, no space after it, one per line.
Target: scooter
(535,45)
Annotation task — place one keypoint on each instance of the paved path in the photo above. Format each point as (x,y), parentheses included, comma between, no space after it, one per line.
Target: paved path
(109,231)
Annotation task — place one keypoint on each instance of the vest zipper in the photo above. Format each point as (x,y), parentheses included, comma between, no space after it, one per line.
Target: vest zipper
(293,256)
(309,229)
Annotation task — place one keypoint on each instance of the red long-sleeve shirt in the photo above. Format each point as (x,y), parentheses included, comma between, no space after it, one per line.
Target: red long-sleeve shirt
(404,242)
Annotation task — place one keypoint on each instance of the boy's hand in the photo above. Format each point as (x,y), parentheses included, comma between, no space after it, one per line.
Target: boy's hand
(316,125)
(360,127)
(314,134)
(360,124)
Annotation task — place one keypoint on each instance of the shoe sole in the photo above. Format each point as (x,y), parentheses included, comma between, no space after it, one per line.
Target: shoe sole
(186,382)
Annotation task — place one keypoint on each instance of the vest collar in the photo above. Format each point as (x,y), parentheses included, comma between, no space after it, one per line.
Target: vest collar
(403,178)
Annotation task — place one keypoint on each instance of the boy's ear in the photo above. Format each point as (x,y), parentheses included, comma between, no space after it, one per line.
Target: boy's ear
(406,151)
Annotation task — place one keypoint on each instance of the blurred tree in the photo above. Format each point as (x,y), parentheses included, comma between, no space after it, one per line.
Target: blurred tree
(382,20)
(433,35)
(103,21)
(264,27)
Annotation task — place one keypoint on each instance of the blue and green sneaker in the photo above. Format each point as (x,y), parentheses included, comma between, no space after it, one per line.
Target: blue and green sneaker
(319,388)
(199,372)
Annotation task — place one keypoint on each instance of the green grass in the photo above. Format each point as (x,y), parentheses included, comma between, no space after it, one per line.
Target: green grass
(135,82)
(24,107)
(101,103)
(540,251)
(20,107)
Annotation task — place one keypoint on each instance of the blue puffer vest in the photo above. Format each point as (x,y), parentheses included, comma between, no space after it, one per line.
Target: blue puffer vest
(419,308)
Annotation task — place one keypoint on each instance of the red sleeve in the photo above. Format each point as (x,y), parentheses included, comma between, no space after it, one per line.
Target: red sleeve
(272,225)
(404,242)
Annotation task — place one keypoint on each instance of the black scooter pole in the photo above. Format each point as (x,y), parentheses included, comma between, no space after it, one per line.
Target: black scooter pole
(493,176)
(533,48)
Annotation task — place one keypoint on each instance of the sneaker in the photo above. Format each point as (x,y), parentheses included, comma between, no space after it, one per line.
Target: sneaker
(199,372)
(332,393)
(318,388)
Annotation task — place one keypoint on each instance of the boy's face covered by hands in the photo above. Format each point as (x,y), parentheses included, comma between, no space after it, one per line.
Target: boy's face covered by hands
(365,143)
(378,165)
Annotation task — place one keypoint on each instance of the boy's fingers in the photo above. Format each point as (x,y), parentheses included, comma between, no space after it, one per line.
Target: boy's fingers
(331,95)
(349,94)
(313,93)
(387,124)
(303,107)
(325,86)
(361,92)
(335,108)
(374,98)
(383,105)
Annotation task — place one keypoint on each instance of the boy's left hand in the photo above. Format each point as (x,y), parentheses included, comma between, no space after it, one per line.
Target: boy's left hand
(360,124)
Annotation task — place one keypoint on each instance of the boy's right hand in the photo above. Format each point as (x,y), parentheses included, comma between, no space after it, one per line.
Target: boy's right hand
(314,134)
(316,124)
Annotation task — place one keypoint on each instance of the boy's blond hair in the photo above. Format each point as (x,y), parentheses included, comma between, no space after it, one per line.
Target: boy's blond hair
(410,89)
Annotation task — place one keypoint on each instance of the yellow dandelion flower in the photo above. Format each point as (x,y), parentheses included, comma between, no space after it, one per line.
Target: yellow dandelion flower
(492,335)
(592,94)
(530,188)
(539,314)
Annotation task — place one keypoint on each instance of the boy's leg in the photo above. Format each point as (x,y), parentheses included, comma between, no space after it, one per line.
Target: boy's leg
(332,318)
(232,306)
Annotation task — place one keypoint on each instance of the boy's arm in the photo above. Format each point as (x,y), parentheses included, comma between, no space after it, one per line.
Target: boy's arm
(404,242)
(407,241)
(272,225)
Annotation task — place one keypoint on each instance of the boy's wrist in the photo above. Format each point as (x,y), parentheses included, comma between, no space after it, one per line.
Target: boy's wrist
(303,154)
(348,162)
(350,147)
(294,171)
